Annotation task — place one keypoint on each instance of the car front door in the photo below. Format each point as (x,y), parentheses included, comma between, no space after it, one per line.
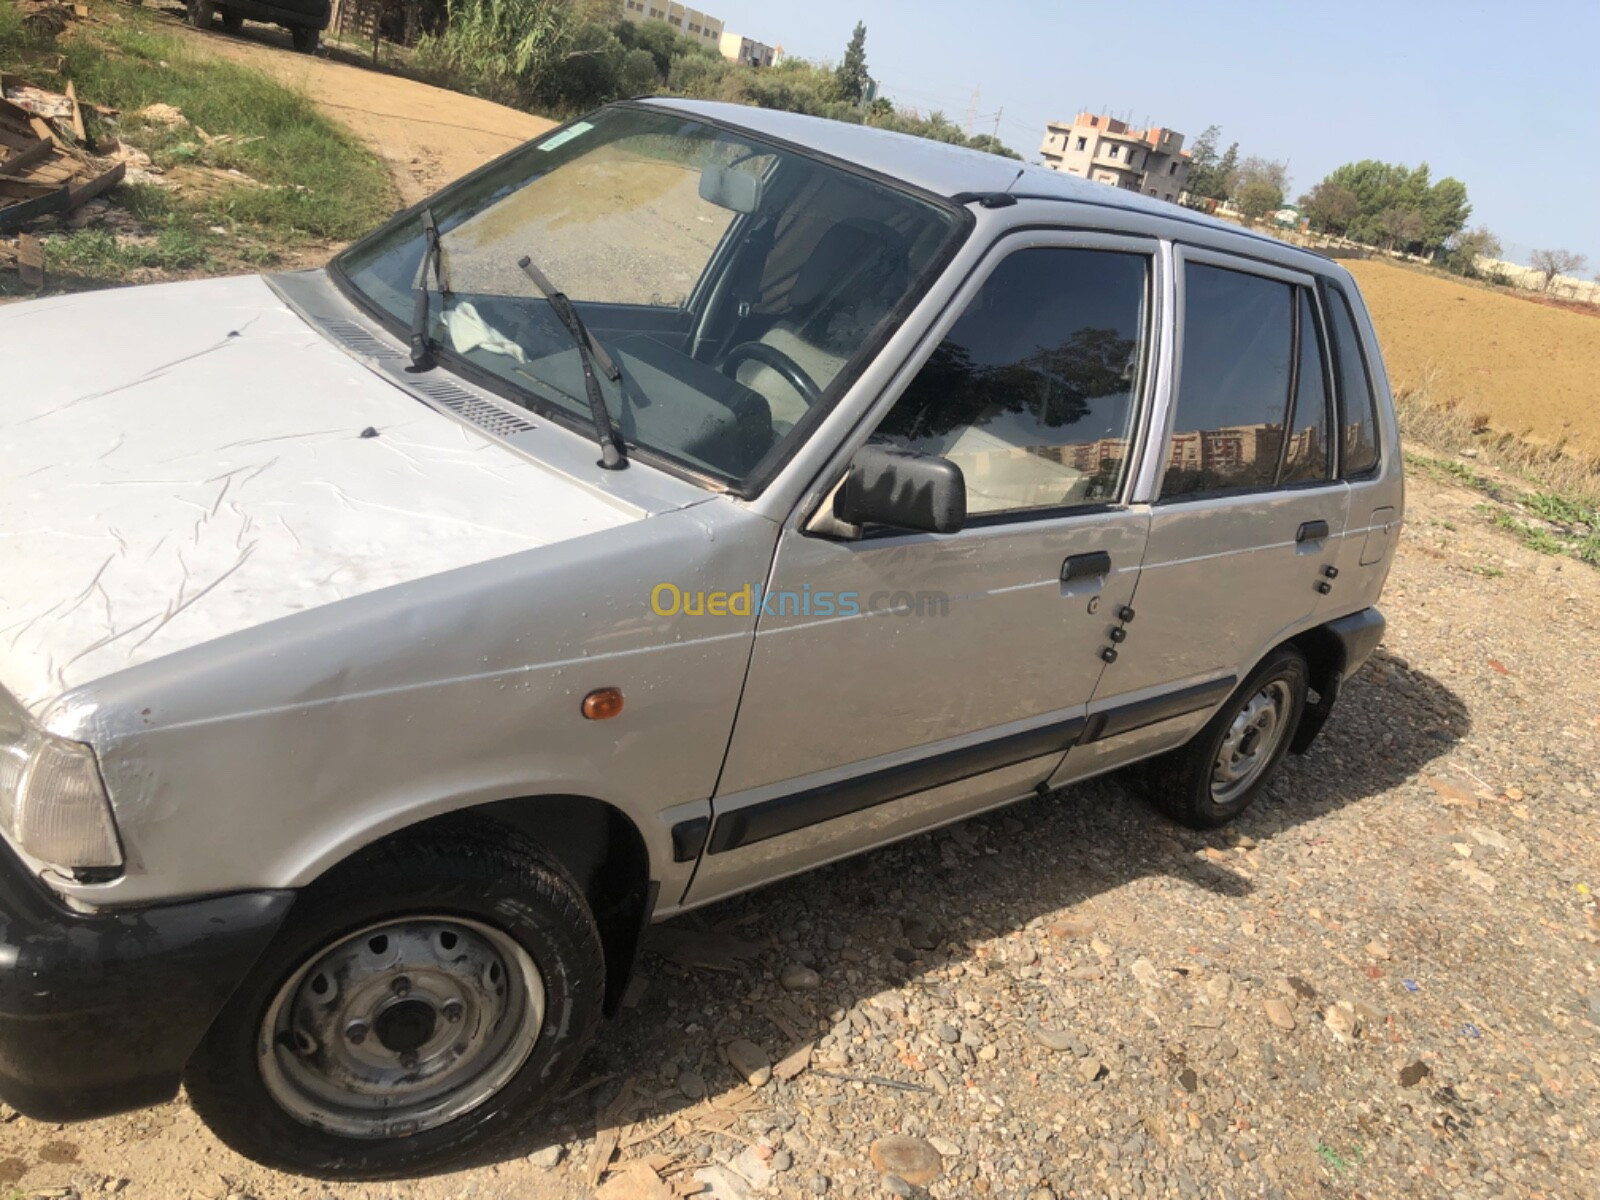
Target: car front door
(1248,511)
(902,679)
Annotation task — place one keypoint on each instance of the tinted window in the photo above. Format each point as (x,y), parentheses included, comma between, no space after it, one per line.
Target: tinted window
(1358,415)
(1238,341)
(1306,457)
(1033,392)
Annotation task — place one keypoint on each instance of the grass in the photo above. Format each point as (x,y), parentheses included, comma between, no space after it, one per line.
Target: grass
(309,181)
(1547,522)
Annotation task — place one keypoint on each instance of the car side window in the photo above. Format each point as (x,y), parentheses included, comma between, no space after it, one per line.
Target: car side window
(1034,392)
(1358,413)
(1234,388)
(1307,457)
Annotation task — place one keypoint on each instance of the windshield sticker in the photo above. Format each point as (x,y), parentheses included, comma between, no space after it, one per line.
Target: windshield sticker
(566,135)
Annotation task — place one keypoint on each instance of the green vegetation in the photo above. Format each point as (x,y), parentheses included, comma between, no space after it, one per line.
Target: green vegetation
(564,57)
(1212,175)
(1257,186)
(300,177)
(1389,205)
(1549,522)
(851,77)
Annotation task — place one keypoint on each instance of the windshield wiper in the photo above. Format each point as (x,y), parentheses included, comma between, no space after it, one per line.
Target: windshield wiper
(590,352)
(421,344)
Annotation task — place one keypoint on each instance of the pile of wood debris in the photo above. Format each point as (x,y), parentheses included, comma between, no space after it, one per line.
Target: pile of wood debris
(48,163)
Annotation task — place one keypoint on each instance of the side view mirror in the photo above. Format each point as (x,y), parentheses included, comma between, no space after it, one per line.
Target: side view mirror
(902,489)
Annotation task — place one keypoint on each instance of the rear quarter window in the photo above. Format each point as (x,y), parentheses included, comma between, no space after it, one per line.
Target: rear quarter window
(1358,410)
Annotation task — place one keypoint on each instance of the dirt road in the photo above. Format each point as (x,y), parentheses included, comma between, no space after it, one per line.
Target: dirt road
(426,135)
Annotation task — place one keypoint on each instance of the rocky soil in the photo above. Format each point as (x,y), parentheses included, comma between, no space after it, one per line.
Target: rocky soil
(1381,983)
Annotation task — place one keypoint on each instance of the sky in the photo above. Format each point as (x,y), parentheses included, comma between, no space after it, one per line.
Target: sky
(1505,97)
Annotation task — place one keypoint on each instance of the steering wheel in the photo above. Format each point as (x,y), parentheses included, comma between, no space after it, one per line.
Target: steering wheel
(770,356)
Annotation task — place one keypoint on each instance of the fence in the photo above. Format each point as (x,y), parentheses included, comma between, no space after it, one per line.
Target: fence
(397,21)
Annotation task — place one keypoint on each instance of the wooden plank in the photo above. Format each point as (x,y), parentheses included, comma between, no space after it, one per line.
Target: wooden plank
(45,131)
(78,131)
(26,158)
(15,216)
(88,191)
(30,261)
(25,189)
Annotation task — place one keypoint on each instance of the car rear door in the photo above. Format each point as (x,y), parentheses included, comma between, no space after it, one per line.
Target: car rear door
(901,680)
(1248,512)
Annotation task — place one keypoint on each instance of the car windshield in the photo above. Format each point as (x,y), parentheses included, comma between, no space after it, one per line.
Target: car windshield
(731,281)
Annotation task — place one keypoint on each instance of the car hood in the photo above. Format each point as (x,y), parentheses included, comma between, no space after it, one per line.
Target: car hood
(182,462)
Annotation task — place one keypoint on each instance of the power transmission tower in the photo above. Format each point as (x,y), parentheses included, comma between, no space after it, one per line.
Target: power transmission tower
(972,110)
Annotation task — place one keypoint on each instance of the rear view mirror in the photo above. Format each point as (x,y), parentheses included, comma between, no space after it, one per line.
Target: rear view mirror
(902,489)
(728,187)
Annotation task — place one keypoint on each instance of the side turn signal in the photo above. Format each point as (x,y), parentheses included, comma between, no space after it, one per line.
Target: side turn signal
(602,704)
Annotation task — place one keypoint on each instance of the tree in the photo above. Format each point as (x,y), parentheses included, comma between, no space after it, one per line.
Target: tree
(1444,213)
(1551,263)
(1257,198)
(639,73)
(1330,206)
(1463,251)
(1210,176)
(1400,226)
(852,72)
(990,144)
(1254,170)
(1385,190)
(1203,162)
(1227,173)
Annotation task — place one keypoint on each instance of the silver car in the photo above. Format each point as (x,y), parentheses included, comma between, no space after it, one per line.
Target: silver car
(692,496)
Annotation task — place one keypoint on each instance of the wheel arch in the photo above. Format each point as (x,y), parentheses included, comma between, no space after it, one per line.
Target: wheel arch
(595,842)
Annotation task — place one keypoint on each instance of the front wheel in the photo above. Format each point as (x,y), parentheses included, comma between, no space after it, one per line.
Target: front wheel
(305,39)
(201,12)
(232,21)
(1224,767)
(420,1003)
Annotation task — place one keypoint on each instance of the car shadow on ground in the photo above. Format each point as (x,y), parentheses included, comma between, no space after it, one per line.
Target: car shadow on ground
(712,976)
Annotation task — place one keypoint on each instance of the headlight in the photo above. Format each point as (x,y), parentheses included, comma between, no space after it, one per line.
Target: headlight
(53,804)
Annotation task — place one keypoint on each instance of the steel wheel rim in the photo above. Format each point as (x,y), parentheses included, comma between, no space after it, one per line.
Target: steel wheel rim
(1251,741)
(401,1027)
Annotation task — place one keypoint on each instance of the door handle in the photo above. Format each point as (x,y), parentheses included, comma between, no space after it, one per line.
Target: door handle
(1312,531)
(1081,566)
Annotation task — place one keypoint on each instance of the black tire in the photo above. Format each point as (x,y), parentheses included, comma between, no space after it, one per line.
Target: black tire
(501,884)
(232,21)
(201,12)
(305,38)
(1180,783)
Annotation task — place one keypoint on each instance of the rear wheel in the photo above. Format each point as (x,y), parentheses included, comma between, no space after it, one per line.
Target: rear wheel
(232,21)
(201,12)
(305,39)
(1224,767)
(418,1005)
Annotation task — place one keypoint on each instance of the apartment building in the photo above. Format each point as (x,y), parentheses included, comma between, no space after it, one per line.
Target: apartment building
(740,49)
(1150,161)
(690,22)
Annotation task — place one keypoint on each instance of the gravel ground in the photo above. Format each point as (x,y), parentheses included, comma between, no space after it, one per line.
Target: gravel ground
(1381,983)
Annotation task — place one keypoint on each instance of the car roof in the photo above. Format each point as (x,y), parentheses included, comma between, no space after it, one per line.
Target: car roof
(947,170)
